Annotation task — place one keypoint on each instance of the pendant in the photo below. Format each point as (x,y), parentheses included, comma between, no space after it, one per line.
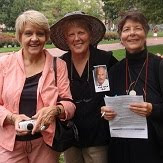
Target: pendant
(132,93)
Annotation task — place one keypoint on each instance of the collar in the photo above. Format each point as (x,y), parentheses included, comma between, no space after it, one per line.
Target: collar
(141,55)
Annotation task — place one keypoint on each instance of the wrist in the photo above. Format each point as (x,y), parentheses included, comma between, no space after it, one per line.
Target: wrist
(59,110)
(11,118)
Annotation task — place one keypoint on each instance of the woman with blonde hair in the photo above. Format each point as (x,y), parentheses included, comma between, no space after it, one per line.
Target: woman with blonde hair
(28,95)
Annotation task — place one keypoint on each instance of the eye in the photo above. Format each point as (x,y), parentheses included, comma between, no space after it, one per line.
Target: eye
(70,35)
(27,33)
(41,34)
(81,33)
(139,28)
(125,30)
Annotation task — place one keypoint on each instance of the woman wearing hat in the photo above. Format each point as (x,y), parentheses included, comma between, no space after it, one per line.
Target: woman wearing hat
(139,76)
(77,33)
(28,90)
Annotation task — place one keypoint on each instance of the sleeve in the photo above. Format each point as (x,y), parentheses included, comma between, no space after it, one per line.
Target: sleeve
(157,112)
(3,111)
(63,85)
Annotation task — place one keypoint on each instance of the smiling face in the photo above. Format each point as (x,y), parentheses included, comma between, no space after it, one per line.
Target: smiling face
(133,36)
(32,39)
(77,38)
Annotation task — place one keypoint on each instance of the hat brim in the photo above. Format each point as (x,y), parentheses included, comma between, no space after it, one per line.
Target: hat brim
(57,34)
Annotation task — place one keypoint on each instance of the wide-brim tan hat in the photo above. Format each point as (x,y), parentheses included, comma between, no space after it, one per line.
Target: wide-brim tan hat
(57,34)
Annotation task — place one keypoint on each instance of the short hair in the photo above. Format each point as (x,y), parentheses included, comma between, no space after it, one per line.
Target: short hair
(35,18)
(134,16)
(99,68)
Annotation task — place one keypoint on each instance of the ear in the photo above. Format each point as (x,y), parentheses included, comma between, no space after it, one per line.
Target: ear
(20,40)
(121,41)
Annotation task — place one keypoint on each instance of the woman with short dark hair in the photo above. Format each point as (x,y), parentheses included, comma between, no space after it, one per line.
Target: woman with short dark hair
(136,74)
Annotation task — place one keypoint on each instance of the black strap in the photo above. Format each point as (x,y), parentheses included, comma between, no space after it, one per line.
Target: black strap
(161,75)
(55,71)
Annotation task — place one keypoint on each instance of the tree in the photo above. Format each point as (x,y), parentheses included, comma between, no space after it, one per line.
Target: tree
(10,9)
(53,9)
(152,9)
(113,8)
(92,7)
(56,9)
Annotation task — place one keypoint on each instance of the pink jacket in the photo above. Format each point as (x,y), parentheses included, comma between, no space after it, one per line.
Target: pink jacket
(12,79)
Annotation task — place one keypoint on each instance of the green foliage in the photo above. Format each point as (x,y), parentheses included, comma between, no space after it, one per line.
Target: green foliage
(53,9)
(114,8)
(56,9)
(111,36)
(93,7)
(61,159)
(10,9)
(111,8)
(152,9)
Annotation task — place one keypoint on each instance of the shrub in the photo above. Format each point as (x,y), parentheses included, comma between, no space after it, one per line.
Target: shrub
(111,36)
(7,39)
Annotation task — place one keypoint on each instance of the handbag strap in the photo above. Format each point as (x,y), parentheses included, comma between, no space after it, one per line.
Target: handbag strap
(55,69)
(55,72)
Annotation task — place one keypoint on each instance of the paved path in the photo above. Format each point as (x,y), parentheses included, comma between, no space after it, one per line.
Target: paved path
(107,47)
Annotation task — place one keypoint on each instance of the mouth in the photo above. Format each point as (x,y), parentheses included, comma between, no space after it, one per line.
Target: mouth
(133,40)
(34,45)
(78,44)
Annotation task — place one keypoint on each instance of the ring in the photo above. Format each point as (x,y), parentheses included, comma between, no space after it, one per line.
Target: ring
(43,128)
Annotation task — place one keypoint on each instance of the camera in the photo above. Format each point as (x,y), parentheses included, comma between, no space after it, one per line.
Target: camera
(27,125)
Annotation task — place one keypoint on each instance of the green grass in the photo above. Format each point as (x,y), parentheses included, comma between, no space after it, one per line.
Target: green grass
(49,46)
(120,54)
(61,160)
(160,34)
(11,49)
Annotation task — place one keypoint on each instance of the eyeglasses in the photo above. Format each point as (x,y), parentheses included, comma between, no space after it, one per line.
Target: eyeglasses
(83,100)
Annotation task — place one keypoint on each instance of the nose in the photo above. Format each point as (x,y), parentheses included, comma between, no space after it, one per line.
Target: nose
(76,37)
(132,32)
(34,37)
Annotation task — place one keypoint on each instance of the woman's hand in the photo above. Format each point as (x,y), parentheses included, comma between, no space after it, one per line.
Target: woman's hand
(143,109)
(107,113)
(16,118)
(44,118)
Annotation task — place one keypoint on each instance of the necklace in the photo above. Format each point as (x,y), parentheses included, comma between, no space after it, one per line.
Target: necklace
(84,68)
(134,83)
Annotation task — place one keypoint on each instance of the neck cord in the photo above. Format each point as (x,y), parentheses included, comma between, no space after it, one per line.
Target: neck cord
(135,82)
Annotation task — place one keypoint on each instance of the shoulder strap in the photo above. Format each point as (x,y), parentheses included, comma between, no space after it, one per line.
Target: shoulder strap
(161,75)
(55,69)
